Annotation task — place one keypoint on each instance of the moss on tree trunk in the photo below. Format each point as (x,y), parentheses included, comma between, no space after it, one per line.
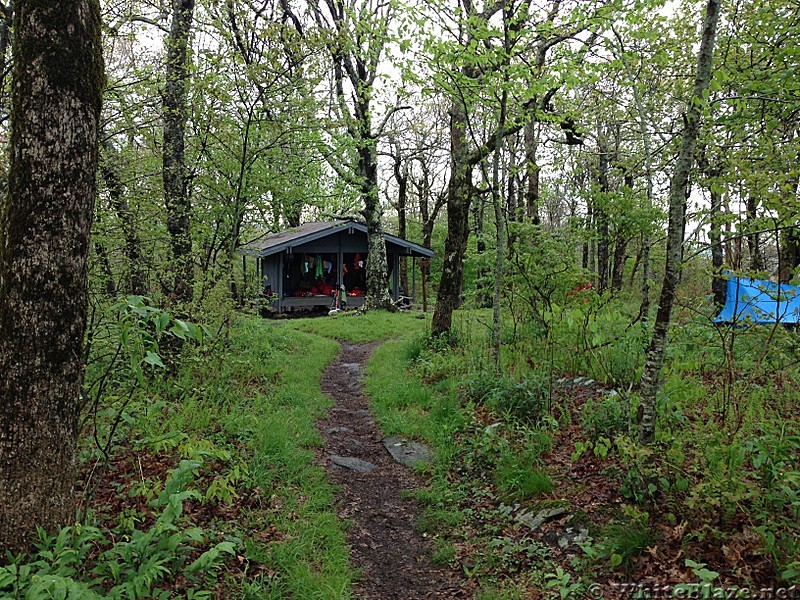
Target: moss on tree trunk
(176,191)
(44,246)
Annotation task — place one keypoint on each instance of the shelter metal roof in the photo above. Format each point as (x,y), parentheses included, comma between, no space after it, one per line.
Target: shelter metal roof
(282,240)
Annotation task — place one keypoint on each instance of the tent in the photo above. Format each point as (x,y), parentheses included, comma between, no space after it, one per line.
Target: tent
(760,302)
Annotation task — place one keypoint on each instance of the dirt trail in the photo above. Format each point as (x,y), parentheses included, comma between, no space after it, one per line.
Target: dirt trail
(391,554)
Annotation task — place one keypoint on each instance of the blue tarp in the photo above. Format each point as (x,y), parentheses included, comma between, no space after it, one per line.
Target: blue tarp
(760,302)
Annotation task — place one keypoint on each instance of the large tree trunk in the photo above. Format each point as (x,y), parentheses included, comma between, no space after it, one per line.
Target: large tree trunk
(6,18)
(377,296)
(176,189)
(677,200)
(44,248)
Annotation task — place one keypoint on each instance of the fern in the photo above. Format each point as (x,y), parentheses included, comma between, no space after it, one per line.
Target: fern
(135,563)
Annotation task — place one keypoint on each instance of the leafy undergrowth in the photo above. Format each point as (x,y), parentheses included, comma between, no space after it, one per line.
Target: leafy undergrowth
(208,487)
(714,502)
(202,482)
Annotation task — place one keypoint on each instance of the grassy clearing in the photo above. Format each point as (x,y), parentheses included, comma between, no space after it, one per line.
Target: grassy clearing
(360,328)
(311,558)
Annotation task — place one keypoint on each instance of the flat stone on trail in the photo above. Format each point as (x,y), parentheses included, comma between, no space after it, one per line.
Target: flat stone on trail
(534,522)
(333,430)
(352,463)
(407,453)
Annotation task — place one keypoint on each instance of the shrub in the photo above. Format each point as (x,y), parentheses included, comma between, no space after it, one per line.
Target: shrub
(527,400)
(517,476)
(606,417)
(622,542)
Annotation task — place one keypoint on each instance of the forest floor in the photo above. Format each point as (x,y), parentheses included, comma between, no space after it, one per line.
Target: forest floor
(525,499)
(392,556)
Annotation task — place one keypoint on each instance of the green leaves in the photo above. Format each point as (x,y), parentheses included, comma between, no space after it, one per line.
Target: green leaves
(135,562)
(141,330)
(153,359)
(211,558)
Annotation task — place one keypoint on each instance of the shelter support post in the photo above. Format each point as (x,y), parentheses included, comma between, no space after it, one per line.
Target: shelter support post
(396,277)
(339,266)
(413,278)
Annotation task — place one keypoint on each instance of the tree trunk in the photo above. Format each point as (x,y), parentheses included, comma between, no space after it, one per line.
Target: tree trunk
(401,174)
(109,170)
(459,198)
(712,173)
(533,172)
(641,114)
(513,212)
(377,296)
(621,242)
(6,18)
(499,218)
(460,188)
(427,214)
(677,200)
(44,247)
(588,261)
(719,287)
(754,238)
(789,253)
(106,278)
(601,217)
(789,238)
(620,254)
(176,189)
(635,268)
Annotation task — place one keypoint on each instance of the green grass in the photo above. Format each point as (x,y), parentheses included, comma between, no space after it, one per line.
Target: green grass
(520,479)
(359,328)
(246,411)
(312,558)
(264,394)
(624,542)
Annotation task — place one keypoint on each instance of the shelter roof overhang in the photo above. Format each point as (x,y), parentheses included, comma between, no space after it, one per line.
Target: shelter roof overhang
(310,232)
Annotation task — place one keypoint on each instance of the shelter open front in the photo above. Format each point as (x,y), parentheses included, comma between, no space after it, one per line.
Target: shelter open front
(310,275)
(354,274)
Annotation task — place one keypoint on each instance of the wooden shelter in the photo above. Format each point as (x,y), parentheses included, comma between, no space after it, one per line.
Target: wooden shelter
(303,267)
